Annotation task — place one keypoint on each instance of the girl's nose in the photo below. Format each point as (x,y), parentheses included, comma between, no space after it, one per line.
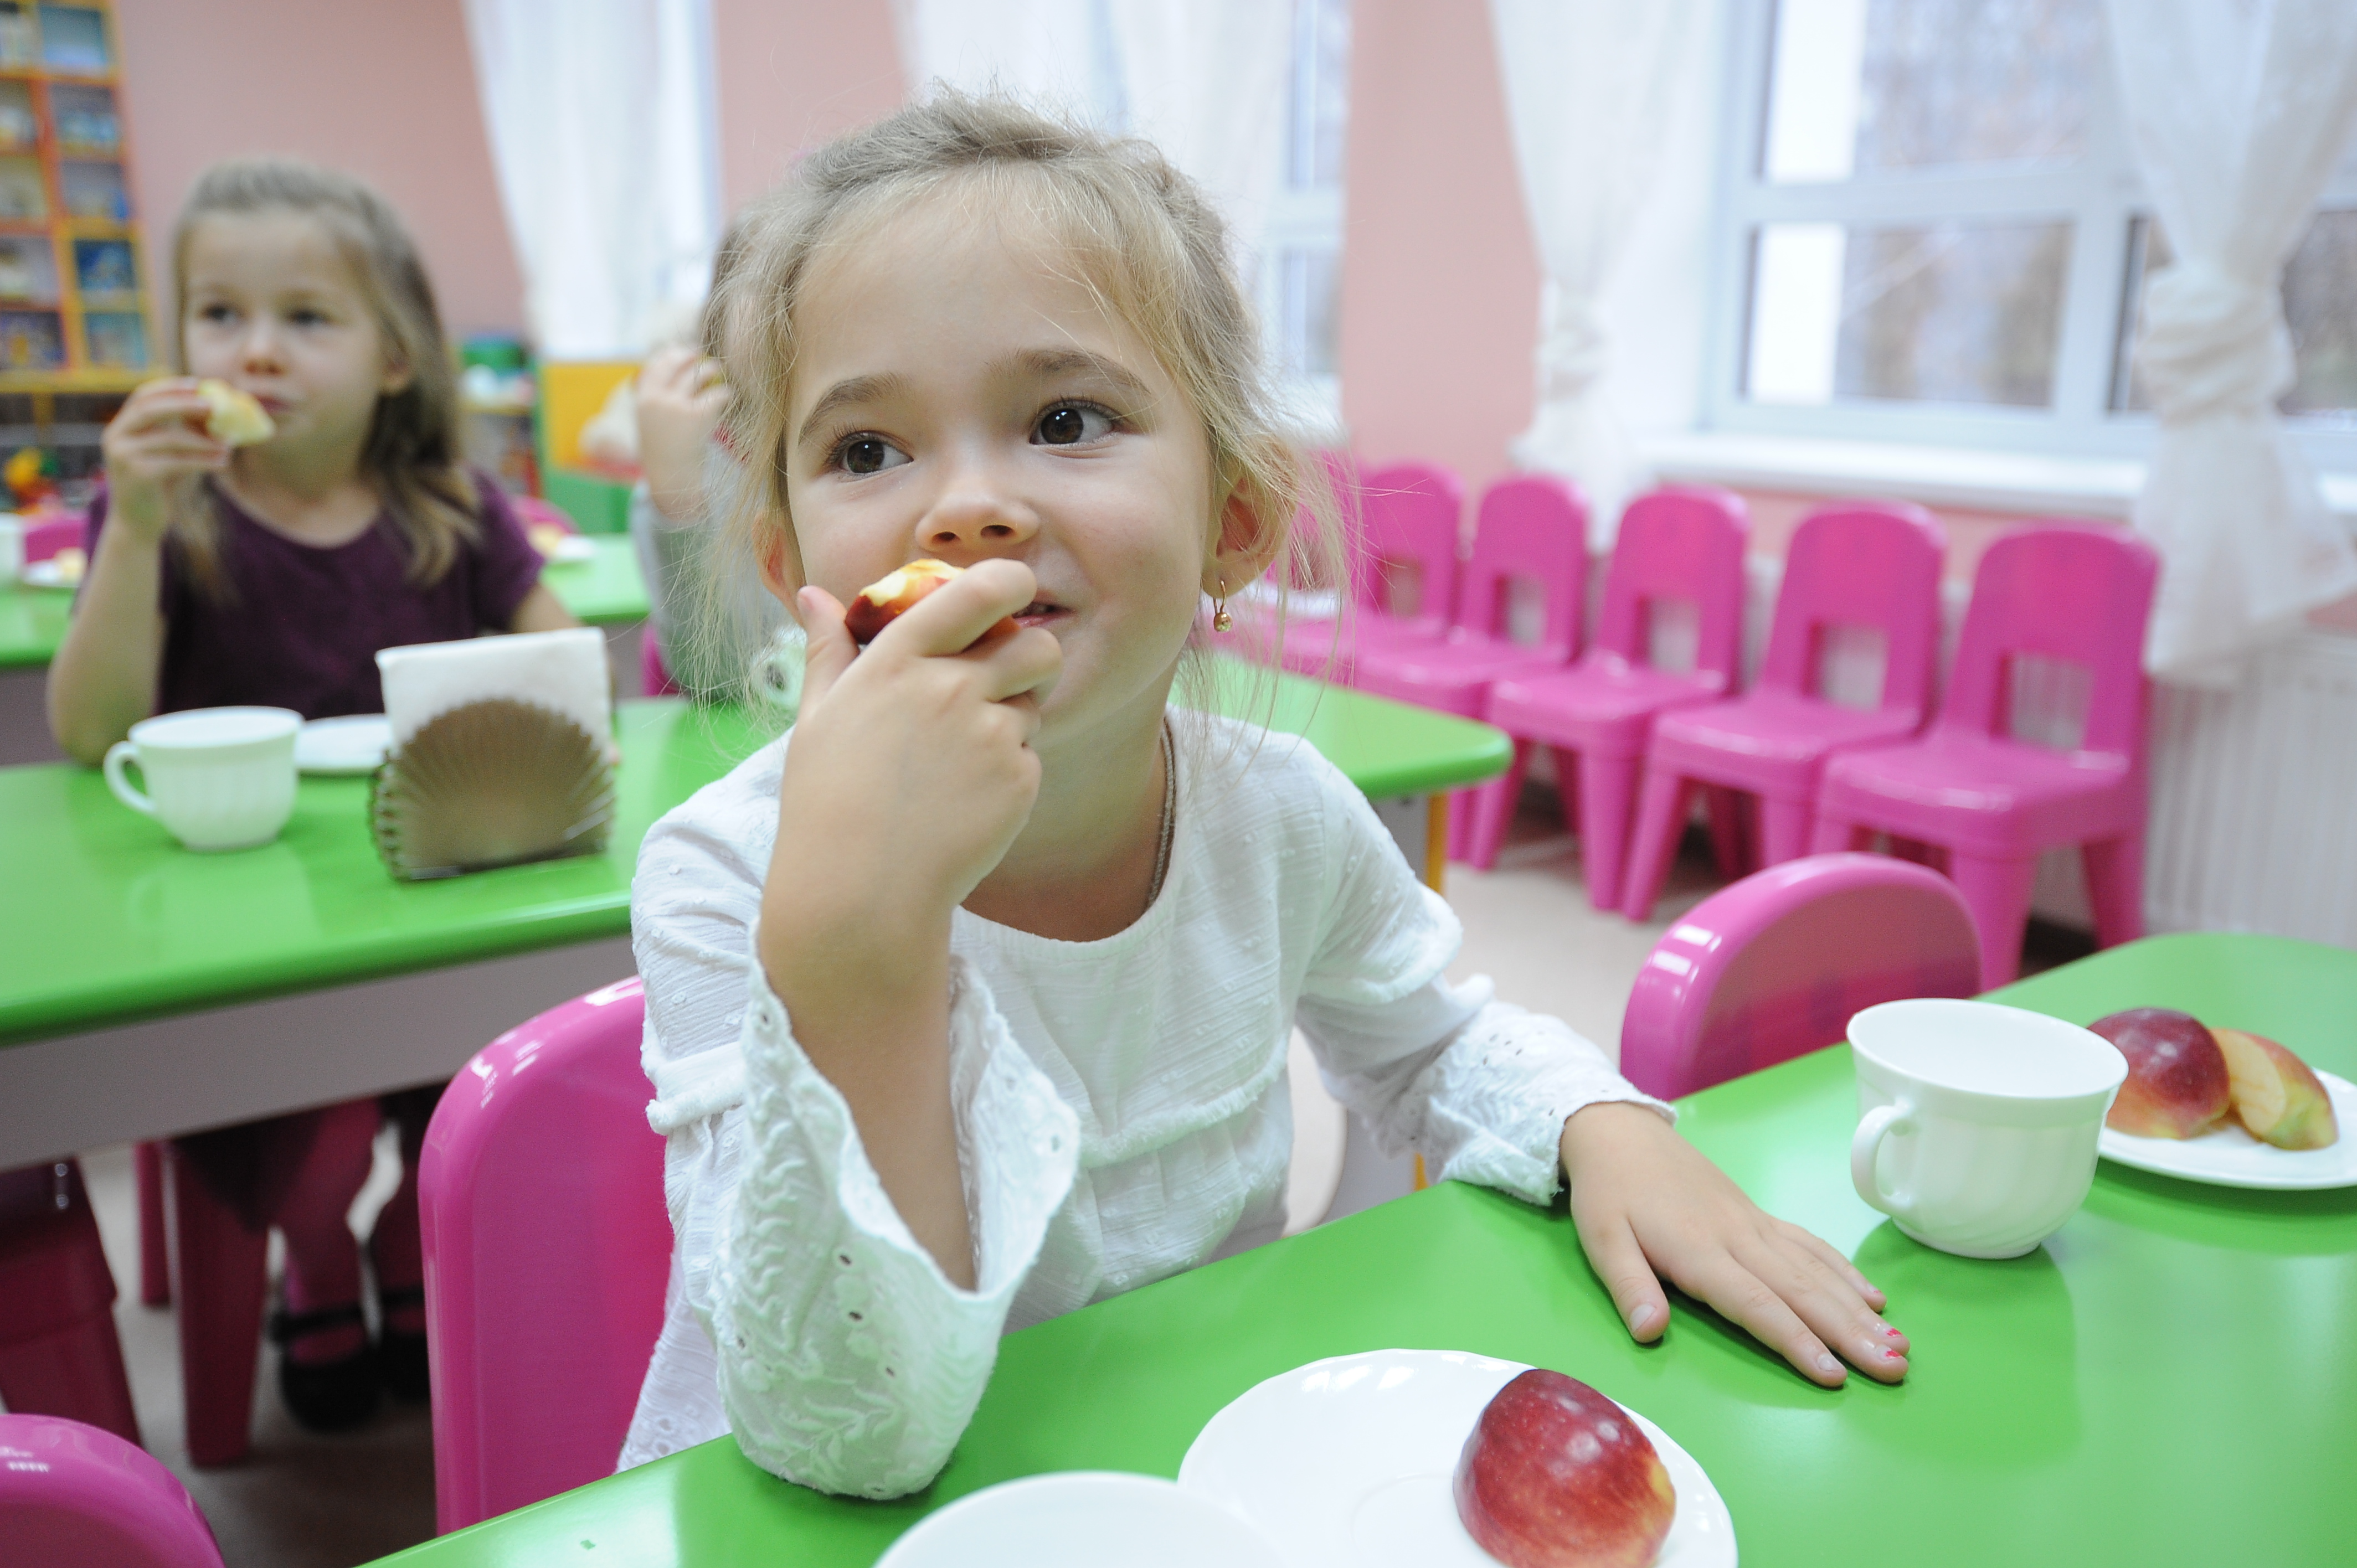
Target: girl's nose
(974,520)
(260,352)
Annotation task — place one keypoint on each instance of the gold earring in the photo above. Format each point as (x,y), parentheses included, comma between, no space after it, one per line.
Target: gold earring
(1220,619)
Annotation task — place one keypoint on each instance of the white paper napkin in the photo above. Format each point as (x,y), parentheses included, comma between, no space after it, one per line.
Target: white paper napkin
(564,671)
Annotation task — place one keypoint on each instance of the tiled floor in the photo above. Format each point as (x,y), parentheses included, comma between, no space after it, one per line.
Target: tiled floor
(302,1501)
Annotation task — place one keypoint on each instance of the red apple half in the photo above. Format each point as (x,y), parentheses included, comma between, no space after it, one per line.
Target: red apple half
(1556,1475)
(2177,1085)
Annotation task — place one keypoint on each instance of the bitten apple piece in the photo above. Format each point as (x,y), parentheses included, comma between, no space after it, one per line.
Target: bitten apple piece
(1556,1475)
(892,596)
(236,419)
(2177,1085)
(2275,1095)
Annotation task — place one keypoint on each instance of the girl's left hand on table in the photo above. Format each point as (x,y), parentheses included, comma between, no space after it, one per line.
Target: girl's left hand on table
(1648,1203)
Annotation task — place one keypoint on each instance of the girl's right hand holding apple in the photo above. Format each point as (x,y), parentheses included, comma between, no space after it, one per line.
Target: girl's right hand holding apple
(157,437)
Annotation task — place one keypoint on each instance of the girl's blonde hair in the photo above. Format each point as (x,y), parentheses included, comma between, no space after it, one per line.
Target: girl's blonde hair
(412,454)
(1139,234)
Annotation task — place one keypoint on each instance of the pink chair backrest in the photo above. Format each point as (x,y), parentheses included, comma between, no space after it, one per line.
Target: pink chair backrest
(2070,592)
(547,1246)
(1778,964)
(1411,512)
(1876,565)
(1533,526)
(46,536)
(73,1494)
(1678,543)
(531,510)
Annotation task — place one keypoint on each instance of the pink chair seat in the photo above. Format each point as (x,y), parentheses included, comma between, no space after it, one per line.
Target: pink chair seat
(1406,516)
(1984,793)
(1769,741)
(1778,964)
(1310,645)
(1452,674)
(71,1494)
(1603,704)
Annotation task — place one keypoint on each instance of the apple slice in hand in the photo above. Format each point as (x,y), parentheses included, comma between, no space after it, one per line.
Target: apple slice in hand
(1556,1475)
(893,594)
(236,420)
(2177,1085)
(2275,1095)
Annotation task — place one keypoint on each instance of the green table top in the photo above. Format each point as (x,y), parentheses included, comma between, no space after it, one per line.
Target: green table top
(107,922)
(603,591)
(2172,1378)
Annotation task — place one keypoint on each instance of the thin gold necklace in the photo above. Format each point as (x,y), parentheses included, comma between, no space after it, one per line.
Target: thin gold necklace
(1169,816)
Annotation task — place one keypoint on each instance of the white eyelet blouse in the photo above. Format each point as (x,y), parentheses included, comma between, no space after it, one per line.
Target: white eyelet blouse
(1122,1106)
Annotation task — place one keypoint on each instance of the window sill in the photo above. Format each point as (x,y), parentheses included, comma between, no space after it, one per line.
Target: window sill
(1930,476)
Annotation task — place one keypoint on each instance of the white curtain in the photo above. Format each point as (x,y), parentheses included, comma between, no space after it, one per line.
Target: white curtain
(1058,58)
(1205,80)
(2237,109)
(1591,87)
(605,135)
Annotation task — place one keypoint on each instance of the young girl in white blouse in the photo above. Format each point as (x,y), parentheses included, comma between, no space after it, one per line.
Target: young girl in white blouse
(968,1000)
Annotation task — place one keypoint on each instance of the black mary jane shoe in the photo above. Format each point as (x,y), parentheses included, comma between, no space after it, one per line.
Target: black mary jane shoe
(401,1358)
(324,1396)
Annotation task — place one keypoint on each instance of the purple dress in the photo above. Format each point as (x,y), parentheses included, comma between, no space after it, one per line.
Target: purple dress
(303,624)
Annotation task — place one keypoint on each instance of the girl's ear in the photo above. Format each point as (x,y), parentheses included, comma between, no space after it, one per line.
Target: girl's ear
(396,378)
(781,567)
(1252,532)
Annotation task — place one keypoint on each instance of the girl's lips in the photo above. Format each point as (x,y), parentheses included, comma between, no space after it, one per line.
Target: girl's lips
(1039,614)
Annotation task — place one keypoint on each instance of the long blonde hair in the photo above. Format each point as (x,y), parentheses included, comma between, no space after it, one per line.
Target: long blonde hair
(1138,233)
(412,454)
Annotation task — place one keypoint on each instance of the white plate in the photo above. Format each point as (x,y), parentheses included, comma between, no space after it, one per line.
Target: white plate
(47,575)
(1349,1461)
(353,744)
(1082,1519)
(2232,1158)
(573,548)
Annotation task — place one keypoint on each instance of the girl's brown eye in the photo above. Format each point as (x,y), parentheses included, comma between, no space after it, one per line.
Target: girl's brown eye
(865,456)
(1062,426)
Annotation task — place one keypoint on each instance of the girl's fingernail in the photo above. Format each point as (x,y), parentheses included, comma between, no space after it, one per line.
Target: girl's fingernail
(1827,1365)
(1889,1331)
(1640,1318)
(1890,1355)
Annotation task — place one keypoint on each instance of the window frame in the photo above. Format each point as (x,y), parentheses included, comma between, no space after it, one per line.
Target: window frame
(1301,218)
(2099,195)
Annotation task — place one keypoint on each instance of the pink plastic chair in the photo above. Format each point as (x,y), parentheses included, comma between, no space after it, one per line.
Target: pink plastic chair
(73,1494)
(1776,966)
(1875,565)
(1409,516)
(1532,527)
(45,536)
(547,1246)
(2056,594)
(59,1353)
(531,510)
(1674,543)
(654,675)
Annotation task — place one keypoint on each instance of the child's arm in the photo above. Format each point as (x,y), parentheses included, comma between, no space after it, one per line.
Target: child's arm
(103,679)
(680,396)
(909,775)
(541,610)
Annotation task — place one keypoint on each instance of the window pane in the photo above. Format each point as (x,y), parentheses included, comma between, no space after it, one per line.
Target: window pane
(1864,87)
(1319,111)
(1956,312)
(1311,283)
(2320,290)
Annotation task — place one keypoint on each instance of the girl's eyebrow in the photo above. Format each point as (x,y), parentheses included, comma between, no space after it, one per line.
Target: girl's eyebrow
(1046,364)
(849,393)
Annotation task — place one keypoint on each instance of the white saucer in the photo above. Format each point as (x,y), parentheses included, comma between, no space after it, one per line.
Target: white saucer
(572,548)
(353,744)
(47,575)
(1082,1519)
(2232,1158)
(1349,1461)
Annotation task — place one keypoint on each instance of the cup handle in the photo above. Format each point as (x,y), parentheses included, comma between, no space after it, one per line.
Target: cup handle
(119,756)
(1878,1123)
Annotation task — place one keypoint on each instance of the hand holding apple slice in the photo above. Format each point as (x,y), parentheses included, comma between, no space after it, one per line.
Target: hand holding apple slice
(237,420)
(1556,1475)
(890,596)
(2275,1094)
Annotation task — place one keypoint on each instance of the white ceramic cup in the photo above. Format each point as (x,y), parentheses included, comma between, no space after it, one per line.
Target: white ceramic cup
(217,778)
(1977,1123)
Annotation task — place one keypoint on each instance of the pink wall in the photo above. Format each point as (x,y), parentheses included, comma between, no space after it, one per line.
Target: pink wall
(384,91)
(1441,278)
(792,73)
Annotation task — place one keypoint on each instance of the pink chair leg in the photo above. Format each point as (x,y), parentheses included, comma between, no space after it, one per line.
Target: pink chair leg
(1660,810)
(1997,893)
(155,1230)
(1783,831)
(1726,808)
(59,1353)
(1608,798)
(220,1276)
(75,1372)
(2116,887)
(1493,810)
(1832,836)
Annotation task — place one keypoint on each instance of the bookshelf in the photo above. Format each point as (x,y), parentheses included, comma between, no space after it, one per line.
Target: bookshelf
(73,307)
